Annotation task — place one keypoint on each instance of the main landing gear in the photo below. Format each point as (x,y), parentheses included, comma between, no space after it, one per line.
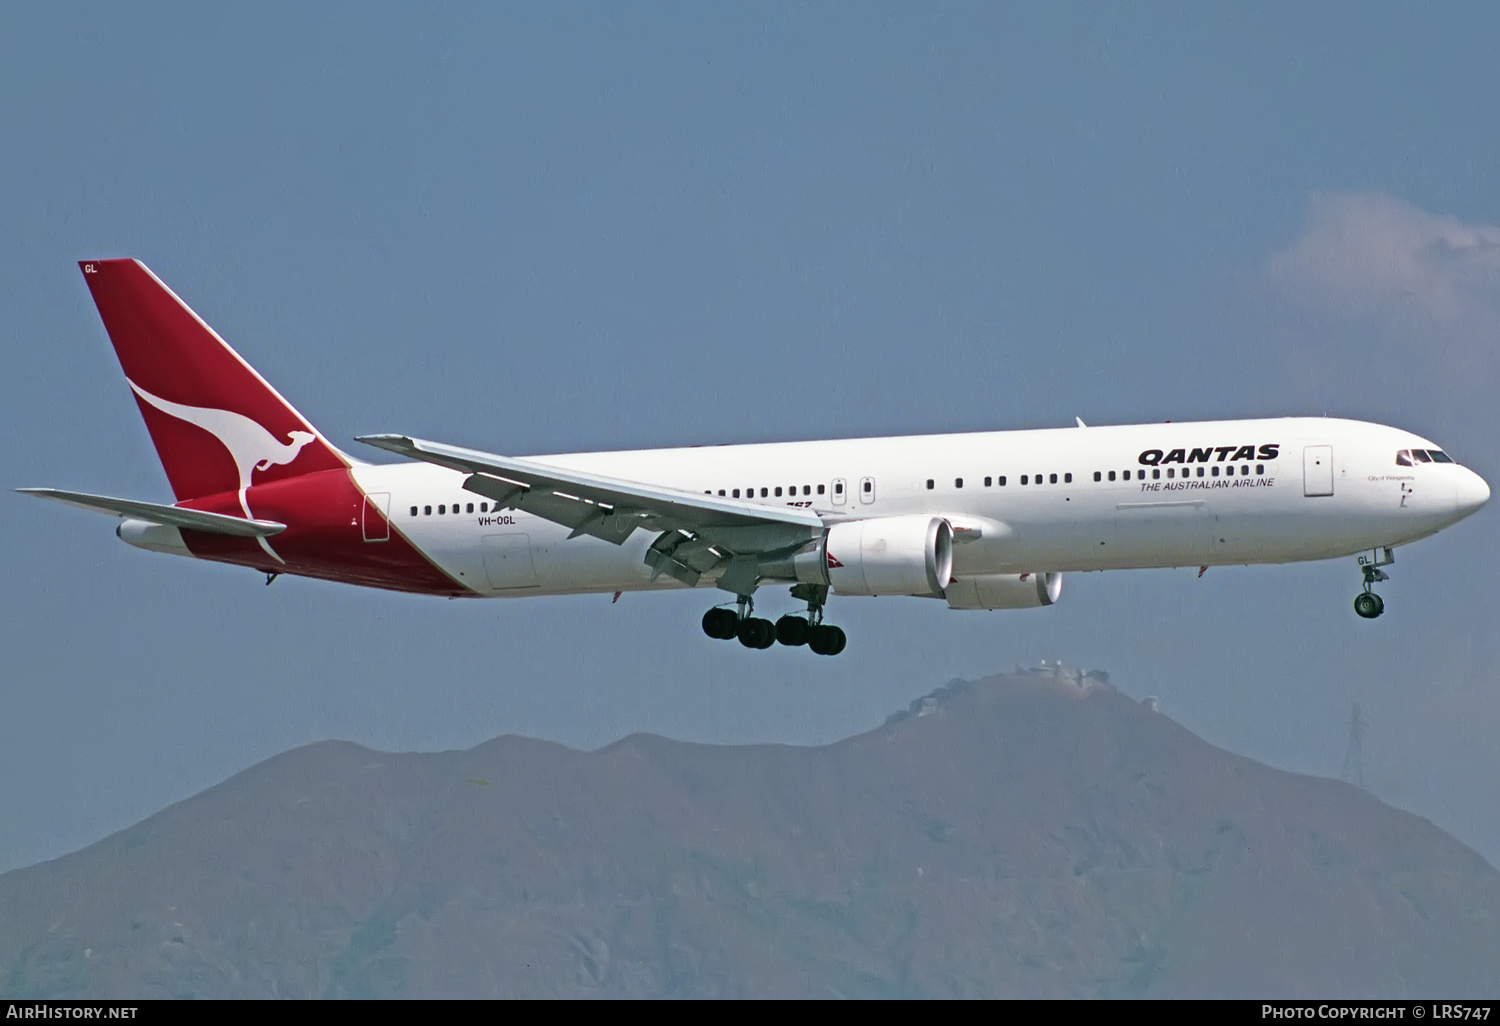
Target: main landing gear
(1368,604)
(723,624)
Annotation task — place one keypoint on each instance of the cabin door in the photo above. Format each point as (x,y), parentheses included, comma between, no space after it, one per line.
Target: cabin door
(1317,470)
(376,519)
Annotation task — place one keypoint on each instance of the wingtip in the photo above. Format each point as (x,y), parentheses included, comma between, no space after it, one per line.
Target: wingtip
(390,443)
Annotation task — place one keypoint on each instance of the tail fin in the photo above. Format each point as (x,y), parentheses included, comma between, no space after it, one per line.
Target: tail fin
(216,422)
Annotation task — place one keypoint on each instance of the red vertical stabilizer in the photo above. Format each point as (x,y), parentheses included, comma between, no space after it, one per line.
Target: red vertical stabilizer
(217,425)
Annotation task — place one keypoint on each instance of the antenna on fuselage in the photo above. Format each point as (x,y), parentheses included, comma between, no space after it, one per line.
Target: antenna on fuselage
(1080,422)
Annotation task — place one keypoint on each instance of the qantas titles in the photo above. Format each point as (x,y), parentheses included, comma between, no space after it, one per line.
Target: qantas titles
(1213,454)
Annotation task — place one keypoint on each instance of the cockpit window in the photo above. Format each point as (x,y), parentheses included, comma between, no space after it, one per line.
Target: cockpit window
(1420,455)
(1403,458)
(1439,456)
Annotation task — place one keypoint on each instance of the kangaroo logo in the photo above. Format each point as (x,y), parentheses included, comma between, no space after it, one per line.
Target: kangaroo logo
(251,446)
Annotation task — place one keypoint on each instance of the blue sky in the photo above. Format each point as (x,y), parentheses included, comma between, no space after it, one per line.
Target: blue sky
(558,228)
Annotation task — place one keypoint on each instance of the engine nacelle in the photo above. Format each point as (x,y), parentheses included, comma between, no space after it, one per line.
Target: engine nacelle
(910,555)
(1004,591)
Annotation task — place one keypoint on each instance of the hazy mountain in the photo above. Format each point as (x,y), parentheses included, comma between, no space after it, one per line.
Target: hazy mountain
(1018,836)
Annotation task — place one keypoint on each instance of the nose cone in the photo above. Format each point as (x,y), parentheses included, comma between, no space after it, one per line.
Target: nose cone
(1472,493)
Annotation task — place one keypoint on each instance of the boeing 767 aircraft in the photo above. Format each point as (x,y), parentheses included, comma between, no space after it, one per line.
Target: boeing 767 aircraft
(988,520)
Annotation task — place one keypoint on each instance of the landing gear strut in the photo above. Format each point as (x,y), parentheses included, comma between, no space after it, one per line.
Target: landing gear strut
(722,623)
(1368,604)
(820,638)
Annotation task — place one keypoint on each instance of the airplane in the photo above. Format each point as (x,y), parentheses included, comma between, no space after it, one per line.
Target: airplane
(981,521)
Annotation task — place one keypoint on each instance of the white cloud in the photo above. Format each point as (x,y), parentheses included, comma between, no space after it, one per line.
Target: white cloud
(1369,254)
(1379,308)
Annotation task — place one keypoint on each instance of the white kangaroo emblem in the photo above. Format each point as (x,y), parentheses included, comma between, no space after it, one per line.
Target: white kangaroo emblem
(251,446)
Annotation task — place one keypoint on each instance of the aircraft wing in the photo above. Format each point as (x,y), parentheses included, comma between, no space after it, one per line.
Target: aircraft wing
(171,516)
(699,532)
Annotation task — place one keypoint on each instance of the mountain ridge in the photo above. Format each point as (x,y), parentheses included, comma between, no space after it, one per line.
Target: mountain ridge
(1021,835)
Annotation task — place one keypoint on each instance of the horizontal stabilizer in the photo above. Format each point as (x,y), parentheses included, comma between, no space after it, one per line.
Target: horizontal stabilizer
(171,516)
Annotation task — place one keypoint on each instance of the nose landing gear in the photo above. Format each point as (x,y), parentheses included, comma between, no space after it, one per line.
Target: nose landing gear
(1368,604)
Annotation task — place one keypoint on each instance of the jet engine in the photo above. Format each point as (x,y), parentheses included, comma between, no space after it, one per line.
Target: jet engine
(1004,591)
(909,555)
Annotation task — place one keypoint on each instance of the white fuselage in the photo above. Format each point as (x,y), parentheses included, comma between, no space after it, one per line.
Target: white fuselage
(1093,498)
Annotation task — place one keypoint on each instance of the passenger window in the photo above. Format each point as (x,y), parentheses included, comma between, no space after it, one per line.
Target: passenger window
(807,489)
(442,510)
(1170,471)
(1260,469)
(1200,471)
(1067,479)
(1140,475)
(958,482)
(929,484)
(778,491)
(1403,458)
(1244,472)
(414,511)
(1229,470)
(1001,480)
(1052,479)
(469,508)
(988,481)
(427,511)
(1420,455)
(763,493)
(1216,470)
(1155,474)
(1438,456)
(721,493)
(868,487)
(820,489)
(1023,478)
(1111,476)
(736,493)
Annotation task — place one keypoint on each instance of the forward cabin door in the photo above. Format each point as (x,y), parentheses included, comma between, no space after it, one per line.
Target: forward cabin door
(376,518)
(1317,470)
